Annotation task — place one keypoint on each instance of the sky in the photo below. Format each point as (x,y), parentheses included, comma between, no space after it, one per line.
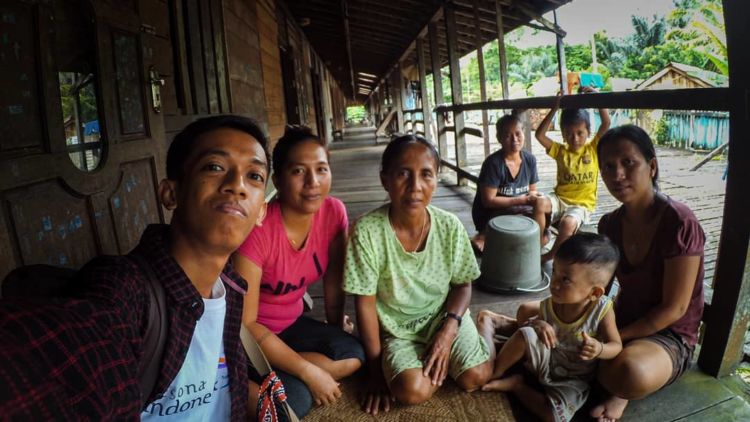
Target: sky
(582,18)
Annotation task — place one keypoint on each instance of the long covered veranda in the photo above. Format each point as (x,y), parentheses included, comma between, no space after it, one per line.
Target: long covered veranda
(95,90)
(463,147)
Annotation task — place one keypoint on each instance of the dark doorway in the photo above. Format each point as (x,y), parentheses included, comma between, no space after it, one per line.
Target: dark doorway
(290,86)
(318,103)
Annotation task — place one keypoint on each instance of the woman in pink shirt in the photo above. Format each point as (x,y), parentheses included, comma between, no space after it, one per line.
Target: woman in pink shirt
(301,241)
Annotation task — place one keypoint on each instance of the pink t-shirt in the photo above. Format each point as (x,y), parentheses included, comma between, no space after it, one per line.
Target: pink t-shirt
(287,272)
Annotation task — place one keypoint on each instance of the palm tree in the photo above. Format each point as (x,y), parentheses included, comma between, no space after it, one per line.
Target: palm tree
(647,34)
(702,25)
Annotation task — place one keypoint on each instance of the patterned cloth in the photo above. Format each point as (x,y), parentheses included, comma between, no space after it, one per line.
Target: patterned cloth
(270,396)
(468,350)
(411,287)
(78,361)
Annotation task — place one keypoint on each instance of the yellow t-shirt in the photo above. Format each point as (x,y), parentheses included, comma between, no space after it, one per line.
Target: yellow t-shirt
(577,173)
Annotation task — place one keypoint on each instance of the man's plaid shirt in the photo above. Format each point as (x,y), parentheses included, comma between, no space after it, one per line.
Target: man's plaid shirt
(79,360)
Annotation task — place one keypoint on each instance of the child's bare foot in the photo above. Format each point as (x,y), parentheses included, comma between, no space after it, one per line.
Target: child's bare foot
(504,384)
(498,323)
(609,410)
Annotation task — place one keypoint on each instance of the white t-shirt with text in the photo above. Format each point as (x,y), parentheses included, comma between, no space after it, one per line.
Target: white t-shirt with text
(200,391)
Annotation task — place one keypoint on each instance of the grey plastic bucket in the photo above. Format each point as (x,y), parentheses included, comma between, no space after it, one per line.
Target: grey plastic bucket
(512,257)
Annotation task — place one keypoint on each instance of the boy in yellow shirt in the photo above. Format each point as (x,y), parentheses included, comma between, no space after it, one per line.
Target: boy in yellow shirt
(574,198)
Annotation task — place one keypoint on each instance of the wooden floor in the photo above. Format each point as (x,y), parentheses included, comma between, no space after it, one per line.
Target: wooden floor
(696,397)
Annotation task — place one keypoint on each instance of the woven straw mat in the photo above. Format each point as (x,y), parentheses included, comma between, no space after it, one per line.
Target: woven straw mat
(450,403)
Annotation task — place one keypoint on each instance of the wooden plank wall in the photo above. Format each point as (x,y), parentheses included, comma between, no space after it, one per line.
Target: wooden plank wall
(246,81)
(271,64)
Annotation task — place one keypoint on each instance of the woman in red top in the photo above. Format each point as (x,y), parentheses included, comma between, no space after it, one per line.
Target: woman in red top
(660,302)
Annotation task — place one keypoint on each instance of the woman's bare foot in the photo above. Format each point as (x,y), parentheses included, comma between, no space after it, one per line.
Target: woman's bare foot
(609,410)
(505,385)
(498,323)
(477,243)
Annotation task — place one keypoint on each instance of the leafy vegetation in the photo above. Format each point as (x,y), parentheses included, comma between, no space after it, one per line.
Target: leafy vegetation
(355,113)
(693,33)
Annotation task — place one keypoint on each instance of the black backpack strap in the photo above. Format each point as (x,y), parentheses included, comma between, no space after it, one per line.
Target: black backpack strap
(156,331)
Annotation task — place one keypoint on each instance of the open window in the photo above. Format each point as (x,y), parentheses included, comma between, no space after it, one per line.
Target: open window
(75,50)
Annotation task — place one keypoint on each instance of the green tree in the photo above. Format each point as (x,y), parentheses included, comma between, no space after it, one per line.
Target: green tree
(577,57)
(648,34)
(700,25)
(654,58)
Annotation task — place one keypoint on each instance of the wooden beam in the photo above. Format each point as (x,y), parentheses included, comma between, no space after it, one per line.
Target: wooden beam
(718,150)
(562,69)
(487,26)
(725,332)
(515,20)
(426,113)
(468,31)
(711,99)
(456,94)
(437,80)
(348,40)
(460,172)
(501,49)
(398,97)
(438,14)
(539,18)
(380,131)
(482,82)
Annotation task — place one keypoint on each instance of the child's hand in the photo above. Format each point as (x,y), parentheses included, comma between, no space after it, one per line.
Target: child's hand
(558,97)
(545,332)
(586,89)
(533,197)
(591,348)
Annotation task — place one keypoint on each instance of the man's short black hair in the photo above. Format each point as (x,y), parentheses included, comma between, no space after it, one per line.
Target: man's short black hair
(590,248)
(182,144)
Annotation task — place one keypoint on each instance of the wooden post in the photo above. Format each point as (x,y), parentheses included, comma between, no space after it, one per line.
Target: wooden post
(501,49)
(381,100)
(376,108)
(398,98)
(727,322)
(482,82)
(561,68)
(437,80)
(426,114)
(458,117)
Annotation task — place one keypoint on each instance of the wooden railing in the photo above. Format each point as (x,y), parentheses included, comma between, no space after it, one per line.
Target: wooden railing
(711,99)
(715,358)
(413,120)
